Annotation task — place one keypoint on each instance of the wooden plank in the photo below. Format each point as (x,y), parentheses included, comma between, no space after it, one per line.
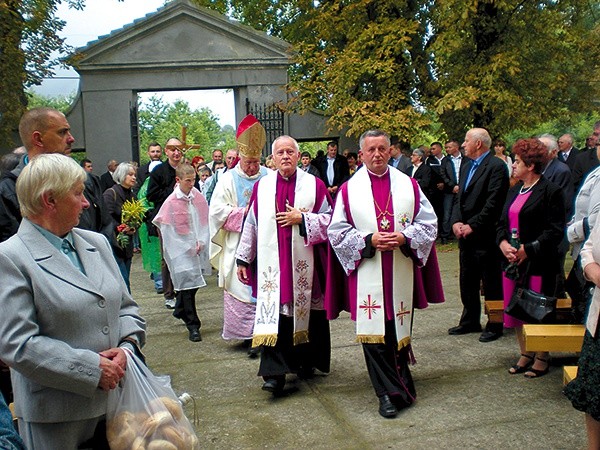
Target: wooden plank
(569,374)
(553,338)
(494,309)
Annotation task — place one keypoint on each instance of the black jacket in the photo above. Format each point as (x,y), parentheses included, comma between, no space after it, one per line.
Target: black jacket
(480,203)
(542,223)
(94,218)
(341,171)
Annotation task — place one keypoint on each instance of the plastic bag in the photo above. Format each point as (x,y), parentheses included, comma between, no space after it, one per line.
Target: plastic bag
(145,414)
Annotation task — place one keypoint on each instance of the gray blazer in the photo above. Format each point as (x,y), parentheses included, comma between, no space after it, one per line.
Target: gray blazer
(55,320)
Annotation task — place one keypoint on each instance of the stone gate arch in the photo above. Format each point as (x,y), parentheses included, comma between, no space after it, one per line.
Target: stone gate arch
(179,47)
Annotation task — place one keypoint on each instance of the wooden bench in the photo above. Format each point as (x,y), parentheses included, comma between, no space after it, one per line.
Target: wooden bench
(553,338)
(494,309)
(569,374)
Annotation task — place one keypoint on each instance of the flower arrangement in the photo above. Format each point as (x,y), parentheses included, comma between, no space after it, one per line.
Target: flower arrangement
(132,216)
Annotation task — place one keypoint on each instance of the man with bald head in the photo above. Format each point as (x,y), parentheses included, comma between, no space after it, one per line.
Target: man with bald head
(481,195)
(160,186)
(42,130)
(568,153)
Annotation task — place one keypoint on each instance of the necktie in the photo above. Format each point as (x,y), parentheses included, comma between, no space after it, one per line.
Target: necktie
(471,172)
(330,172)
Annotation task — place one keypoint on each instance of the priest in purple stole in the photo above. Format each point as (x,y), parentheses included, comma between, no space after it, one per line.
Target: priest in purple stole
(284,237)
(383,230)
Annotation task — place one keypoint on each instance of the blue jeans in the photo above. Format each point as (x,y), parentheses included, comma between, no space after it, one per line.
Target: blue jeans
(125,268)
(446,225)
(157,277)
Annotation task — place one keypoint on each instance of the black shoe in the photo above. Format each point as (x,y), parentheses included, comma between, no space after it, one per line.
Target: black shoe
(489,336)
(160,291)
(306,373)
(253,352)
(386,407)
(273,385)
(463,329)
(195,335)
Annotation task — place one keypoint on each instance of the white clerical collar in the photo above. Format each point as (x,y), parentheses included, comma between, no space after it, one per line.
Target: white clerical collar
(377,175)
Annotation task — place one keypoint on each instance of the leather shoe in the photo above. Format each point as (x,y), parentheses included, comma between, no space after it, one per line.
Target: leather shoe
(195,335)
(273,385)
(463,329)
(386,407)
(489,336)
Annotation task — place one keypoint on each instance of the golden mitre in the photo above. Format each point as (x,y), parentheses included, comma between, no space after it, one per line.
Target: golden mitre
(250,137)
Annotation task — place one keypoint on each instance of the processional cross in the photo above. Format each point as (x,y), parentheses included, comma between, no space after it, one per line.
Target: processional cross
(183,147)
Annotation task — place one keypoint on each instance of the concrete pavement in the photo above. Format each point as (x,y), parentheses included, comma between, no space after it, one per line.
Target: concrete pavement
(465,396)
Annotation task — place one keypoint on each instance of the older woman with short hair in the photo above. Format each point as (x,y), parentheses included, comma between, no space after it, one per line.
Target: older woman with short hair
(114,197)
(534,207)
(66,312)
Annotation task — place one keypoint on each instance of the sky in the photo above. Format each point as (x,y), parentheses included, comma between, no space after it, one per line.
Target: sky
(99,18)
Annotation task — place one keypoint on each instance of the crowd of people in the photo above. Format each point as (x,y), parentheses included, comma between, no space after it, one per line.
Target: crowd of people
(294,241)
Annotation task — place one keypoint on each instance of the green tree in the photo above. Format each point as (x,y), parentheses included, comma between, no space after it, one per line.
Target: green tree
(61,102)
(28,42)
(159,121)
(409,65)
(511,63)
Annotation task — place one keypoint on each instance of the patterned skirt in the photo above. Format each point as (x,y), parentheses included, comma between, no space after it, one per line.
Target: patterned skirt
(584,391)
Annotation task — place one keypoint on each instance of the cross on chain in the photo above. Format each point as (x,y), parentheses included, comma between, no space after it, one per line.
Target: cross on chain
(370,306)
(183,147)
(401,313)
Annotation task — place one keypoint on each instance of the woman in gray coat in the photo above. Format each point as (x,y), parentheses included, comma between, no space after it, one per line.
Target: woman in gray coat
(66,311)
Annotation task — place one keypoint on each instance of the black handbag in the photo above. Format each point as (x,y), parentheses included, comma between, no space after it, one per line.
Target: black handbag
(531,307)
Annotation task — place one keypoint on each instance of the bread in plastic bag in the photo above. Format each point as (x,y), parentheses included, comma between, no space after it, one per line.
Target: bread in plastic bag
(145,414)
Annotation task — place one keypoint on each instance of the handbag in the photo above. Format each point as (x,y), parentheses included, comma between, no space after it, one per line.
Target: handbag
(531,307)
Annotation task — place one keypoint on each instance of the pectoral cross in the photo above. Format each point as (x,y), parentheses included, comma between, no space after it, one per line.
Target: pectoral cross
(183,147)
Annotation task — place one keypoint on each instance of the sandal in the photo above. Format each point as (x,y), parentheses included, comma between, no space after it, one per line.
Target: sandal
(520,369)
(536,373)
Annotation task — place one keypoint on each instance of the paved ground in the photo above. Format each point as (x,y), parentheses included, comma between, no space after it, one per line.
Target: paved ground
(466,398)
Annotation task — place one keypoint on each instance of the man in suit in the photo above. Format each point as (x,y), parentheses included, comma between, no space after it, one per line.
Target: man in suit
(585,162)
(154,154)
(397,158)
(106,179)
(333,168)
(437,186)
(450,173)
(420,171)
(306,166)
(568,153)
(559,173)
(481,196)
(64,342)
